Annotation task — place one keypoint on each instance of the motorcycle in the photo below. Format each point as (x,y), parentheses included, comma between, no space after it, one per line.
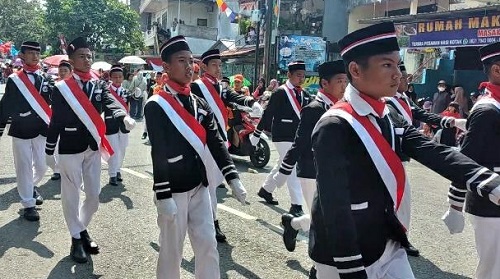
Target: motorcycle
(259,154)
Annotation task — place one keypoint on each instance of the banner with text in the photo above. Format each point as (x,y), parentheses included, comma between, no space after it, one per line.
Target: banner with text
(454,32)
(312,50)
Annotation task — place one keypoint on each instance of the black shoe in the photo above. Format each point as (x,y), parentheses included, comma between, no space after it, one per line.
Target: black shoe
(296,210)
(412,251)
(77,252)
(37,196)
(144,136)
(55,176)
(31,214)
(219,235)
(289,233)
(312,273)
(119,177)
(268,197)
(222,186)
(113,181)
(88,244)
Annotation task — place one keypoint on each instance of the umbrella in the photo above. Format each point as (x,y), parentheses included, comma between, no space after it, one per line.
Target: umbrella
(132,60)
(54,60)
(101,65)
(246,82)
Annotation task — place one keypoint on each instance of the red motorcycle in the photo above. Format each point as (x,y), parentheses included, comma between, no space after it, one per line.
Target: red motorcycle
(259,154)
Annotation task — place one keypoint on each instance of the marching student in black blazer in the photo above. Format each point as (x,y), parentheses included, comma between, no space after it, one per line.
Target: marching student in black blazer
(185,145)
(28,129)
(359,217)
(115,130)
(82,142)
(281,117)
(333,82)
(481,143)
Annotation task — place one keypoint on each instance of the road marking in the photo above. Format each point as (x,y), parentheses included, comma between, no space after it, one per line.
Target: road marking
(236,212)
(138,174)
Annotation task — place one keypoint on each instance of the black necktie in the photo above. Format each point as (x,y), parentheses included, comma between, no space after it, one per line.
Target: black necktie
(385,127)
(297,95)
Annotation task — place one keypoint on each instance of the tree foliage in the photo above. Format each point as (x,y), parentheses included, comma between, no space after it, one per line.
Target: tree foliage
(22,20)
(105,23)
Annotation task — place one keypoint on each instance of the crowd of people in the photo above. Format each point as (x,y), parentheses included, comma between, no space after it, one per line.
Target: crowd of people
(365,117)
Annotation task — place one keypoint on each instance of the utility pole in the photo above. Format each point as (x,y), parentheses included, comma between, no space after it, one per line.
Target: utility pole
(268,40)
(257,47)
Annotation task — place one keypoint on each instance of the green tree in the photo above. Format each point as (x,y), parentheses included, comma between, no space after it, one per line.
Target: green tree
(102,22)
(22,20)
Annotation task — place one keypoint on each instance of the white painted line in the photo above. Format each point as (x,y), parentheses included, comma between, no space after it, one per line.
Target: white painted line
(138,174)
(236,212)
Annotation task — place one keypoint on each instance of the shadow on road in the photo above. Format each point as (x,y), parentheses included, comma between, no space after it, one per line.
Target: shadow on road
(227,263)
(21,234)
(109,192)
(67,268)
(425,269)
(295,265)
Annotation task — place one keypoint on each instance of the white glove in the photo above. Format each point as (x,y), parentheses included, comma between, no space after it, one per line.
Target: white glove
(129,123)
(460,124)
(50,160)
(280,179)
(238,190)
(256,109)
(254,140)
(454,220)
(167,207)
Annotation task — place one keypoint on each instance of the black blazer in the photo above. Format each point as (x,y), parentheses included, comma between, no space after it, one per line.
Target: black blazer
(65,125)
(177,168)
(352,214)
(279,116)
(113,125)
(26,124)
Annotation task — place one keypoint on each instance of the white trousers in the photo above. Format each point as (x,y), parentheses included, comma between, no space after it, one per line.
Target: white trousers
(194,217)
(212,190)
(292,182)
(119,143)
(308,189)
(486,232)
(76,169)
(56,157)
(393,264)
(29,161)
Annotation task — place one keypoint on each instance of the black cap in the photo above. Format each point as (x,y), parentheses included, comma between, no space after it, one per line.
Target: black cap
(225,79)
(209,55)
(328,69)
(490,53)
(175,44)
(296,65)
(77,43)
(372,40)
(116,68)
(30,45)
(402,67)
(65,63)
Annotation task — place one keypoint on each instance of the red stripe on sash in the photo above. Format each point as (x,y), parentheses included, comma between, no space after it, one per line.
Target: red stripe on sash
(34,92)
(392,159)
(405,105)
(294,98)
(118,98)
(190,121)
(217,99)
(91,111)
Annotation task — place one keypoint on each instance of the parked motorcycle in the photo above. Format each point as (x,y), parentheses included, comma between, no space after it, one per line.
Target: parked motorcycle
(261,153)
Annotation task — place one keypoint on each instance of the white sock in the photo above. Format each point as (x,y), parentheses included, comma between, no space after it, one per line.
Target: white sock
(302,223)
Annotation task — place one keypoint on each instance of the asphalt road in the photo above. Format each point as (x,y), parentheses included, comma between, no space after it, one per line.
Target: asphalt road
(125,227)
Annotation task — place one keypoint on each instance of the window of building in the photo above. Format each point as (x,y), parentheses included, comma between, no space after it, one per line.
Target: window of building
(202,22)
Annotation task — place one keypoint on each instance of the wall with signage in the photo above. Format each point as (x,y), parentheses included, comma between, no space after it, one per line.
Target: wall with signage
(476,30)
(312,50)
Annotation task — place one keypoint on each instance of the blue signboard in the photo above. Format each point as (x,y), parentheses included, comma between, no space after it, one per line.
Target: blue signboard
(312,50)
(475,30)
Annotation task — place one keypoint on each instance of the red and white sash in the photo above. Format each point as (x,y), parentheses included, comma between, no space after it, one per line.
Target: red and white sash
(486,100)
(293,100)
(387,162)
(192,131)
(403,108)
(118,99)
(215,102)
(31,94)
(86,112)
